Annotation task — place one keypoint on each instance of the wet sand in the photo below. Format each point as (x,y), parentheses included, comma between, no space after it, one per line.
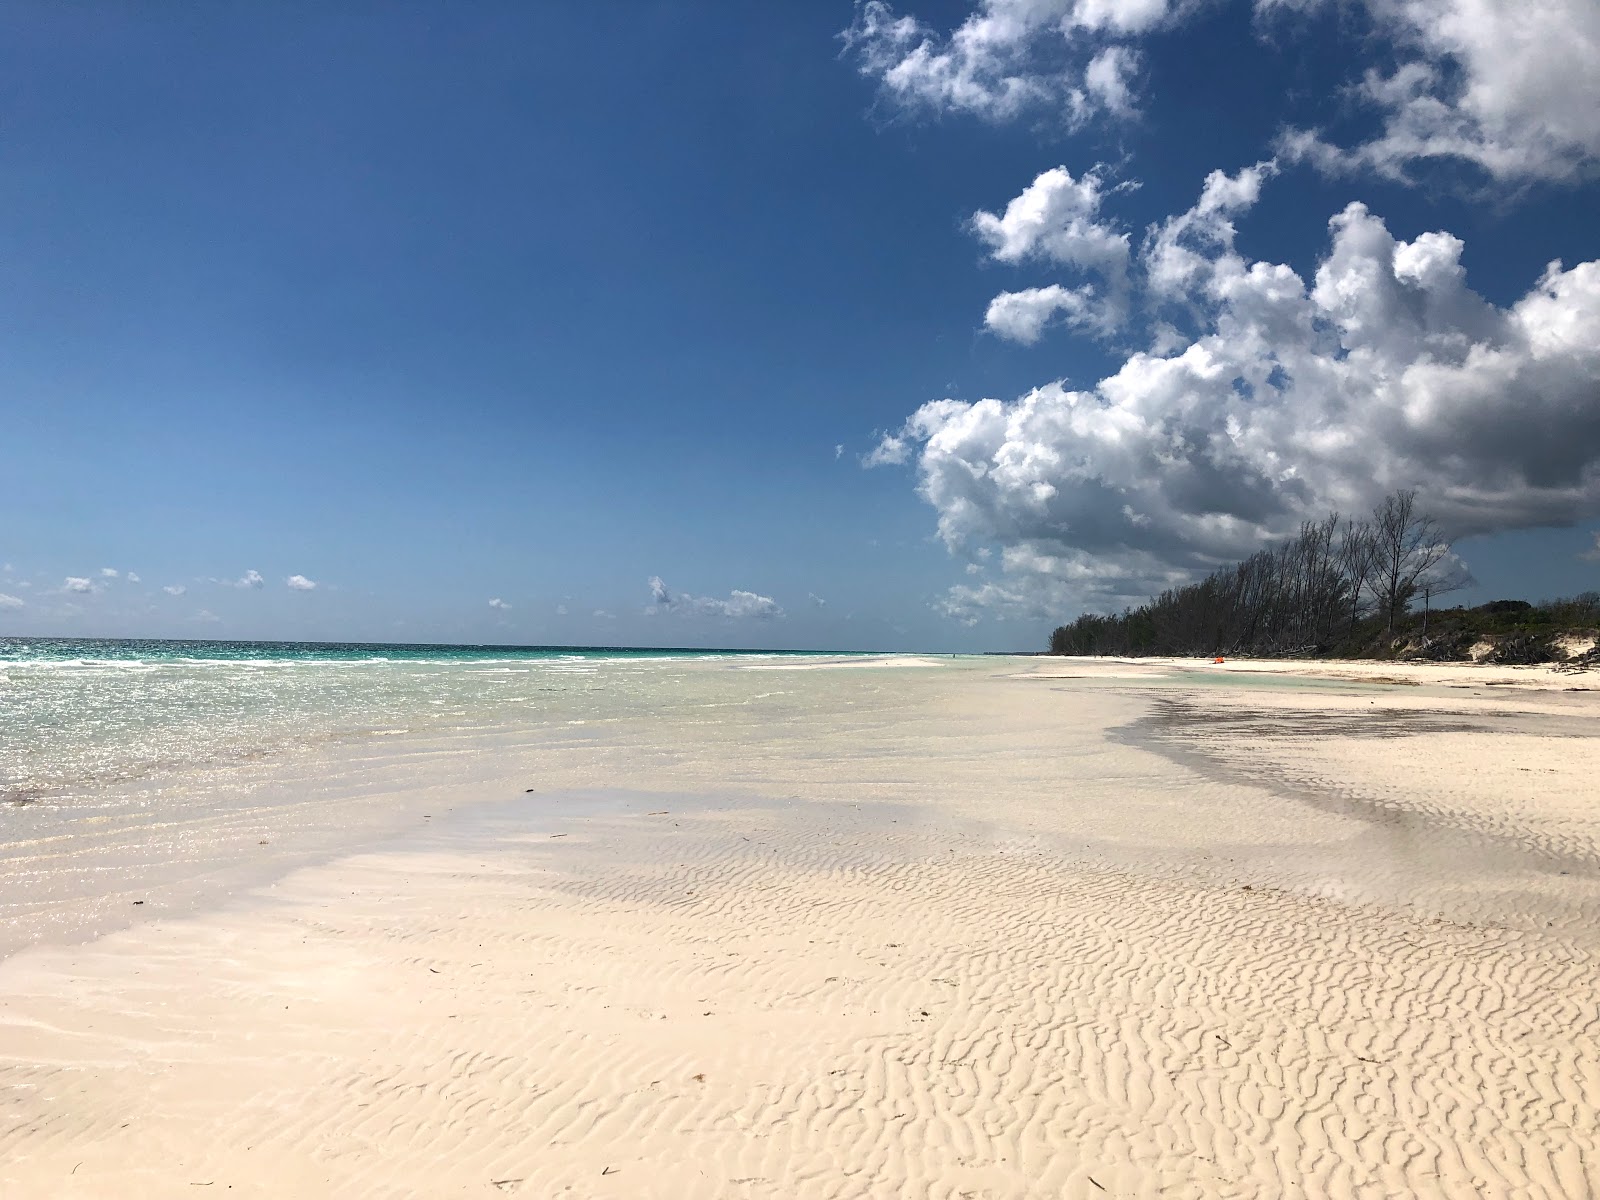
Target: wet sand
(1032,927)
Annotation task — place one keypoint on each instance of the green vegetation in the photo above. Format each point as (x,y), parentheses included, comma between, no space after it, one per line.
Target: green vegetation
(1344,588)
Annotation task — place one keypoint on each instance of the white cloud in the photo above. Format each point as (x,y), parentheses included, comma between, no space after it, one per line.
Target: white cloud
(1056,219)
(175,589)
(1022,316)
(1592,554)
(1010,57)
(817,600)
(109,572)
(746,604)
(301,584)
(499,604)
(132,577)
(77,583)
(206,616)
(738,605)
(10,601)
(1108,79)
(603,615)
(1182,253)
(1510,86)
(561,610)
(890,451)
(250,579)
(838,452)
(1447,573)
(1287,398)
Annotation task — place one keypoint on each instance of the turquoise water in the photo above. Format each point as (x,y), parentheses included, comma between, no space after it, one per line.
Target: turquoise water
(77,714)
(23,650)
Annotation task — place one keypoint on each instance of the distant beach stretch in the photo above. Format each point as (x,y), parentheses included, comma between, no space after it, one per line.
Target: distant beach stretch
(365,921)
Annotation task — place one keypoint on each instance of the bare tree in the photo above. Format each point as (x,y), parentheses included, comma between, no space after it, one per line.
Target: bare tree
(1357,555)
(1287,598)
(1407,545)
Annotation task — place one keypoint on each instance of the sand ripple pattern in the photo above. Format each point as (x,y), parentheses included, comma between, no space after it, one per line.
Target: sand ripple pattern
(778,1001)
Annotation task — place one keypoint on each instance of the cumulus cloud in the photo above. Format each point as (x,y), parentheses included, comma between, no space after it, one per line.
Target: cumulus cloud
(249,580)
(1057,220)
(500,604)
(1022,316)
(1593,553)
(817,600)
(77,583)
(1181,254)
(1283,398)
(133,577)
(300,583)
(109,572)
(738,605)
(175,589)
(561,610)
(10,601)
(1508,86)
(1069,58)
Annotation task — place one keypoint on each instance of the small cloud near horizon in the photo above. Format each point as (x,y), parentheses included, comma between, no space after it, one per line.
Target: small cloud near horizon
(250,579)
(739,604)
(500,604)
(300,583)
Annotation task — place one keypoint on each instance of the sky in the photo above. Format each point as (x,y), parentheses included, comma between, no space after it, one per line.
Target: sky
(821,325)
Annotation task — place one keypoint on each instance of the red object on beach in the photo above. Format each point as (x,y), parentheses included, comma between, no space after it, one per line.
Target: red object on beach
(1219,658)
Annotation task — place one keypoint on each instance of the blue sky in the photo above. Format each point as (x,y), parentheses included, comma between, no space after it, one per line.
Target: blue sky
(433,305)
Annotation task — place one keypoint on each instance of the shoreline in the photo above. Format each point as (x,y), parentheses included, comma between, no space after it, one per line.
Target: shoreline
(903,932)
(272,810)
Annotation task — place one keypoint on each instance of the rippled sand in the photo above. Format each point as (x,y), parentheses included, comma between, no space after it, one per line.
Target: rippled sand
(1006,928)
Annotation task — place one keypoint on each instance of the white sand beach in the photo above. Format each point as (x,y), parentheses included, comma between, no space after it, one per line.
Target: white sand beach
(989,928)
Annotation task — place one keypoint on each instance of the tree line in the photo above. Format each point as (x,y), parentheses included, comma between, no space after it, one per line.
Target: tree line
(1306,595)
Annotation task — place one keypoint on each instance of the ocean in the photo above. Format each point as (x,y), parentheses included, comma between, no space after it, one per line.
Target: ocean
(80,715)
(152,777)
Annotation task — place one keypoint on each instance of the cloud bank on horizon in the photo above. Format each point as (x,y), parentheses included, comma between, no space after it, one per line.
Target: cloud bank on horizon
(1250,397)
